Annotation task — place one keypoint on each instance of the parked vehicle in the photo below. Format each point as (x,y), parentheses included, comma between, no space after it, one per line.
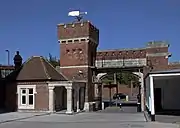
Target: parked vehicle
(119,96)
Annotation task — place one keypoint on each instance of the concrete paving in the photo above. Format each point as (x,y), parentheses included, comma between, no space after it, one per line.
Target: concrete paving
(124,109)
(87,120)
(168,119)
(14,116)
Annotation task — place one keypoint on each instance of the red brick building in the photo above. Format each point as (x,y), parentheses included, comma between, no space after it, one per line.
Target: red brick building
(79,55)
(37,86)
(78,59)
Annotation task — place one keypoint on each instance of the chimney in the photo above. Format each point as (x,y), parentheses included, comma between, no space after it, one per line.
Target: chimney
(17,60)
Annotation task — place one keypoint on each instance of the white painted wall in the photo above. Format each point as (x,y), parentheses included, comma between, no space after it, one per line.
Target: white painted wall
(170,92)
(147,93)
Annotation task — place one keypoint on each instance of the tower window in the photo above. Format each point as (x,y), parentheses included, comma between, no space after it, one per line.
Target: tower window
(69,40)
(80,50)
(67,51)
(73,50)
(76,40)
(83,39)
(63,41)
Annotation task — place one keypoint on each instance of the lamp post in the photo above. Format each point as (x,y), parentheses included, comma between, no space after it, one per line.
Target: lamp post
(8,54)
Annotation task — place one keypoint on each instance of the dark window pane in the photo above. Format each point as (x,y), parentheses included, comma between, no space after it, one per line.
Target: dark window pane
(3,73)
(31,91)
(23,91)
(23,99)
(31,100)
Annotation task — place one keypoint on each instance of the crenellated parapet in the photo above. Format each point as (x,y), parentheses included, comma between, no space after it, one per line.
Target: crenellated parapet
(77,32)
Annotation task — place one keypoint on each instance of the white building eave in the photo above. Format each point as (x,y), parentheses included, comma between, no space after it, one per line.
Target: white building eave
(165,74)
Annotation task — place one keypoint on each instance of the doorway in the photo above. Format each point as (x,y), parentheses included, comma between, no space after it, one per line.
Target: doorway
(157,99)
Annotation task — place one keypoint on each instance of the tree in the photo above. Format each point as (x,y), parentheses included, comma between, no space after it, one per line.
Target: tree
(123,78)
(53,61)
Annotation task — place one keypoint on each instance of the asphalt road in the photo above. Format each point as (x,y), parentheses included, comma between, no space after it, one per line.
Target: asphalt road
(87,120)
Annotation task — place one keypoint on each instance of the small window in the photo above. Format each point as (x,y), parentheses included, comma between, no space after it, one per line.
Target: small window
(73,50)
(30,99)
(23,100)
(83,39)
(23,91)
(76,40)
(31,91)
(69,41)
(67,51)
(80,50)
(63,41)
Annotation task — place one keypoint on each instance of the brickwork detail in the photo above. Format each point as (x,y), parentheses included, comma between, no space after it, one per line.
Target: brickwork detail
(78,44)
(155,53)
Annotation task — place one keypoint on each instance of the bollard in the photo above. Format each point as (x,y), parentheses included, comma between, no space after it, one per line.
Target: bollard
(127,98)
(138,107)
(102,105)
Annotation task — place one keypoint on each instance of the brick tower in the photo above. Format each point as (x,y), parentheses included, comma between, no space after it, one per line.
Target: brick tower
(157,53)
(78,44)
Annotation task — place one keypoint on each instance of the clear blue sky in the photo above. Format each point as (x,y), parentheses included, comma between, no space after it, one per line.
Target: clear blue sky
(30,25)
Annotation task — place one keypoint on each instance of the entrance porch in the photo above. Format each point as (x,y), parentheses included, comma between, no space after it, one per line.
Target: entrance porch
(66,95)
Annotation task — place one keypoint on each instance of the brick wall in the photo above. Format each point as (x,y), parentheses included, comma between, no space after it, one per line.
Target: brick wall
(121,89)
(76,30)
(11,97)
(78,44)
(42,97)
(156,53)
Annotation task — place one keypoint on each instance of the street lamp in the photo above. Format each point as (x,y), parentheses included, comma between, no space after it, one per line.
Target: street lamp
(8,53)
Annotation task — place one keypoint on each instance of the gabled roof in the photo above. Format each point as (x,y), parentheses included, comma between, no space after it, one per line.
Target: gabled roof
(38,68)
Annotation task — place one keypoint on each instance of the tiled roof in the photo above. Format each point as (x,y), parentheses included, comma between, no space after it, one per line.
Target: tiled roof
(38,68)
(6,67)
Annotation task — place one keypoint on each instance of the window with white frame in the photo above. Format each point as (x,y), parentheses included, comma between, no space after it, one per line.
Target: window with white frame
(26,96)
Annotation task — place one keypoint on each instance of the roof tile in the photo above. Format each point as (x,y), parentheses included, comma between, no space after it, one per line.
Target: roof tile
(38,68)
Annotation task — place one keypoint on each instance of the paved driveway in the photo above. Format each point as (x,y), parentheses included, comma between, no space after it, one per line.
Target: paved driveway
(86,120)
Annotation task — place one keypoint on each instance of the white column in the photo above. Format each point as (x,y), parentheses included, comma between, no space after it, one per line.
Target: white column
(142,91)
(77,99)
(69,100)
(96,90)
(51,98)
(152,95)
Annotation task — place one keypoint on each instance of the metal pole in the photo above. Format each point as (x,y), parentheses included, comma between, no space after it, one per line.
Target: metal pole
(110,96)
(115,81)
(123,61)
(8,57)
